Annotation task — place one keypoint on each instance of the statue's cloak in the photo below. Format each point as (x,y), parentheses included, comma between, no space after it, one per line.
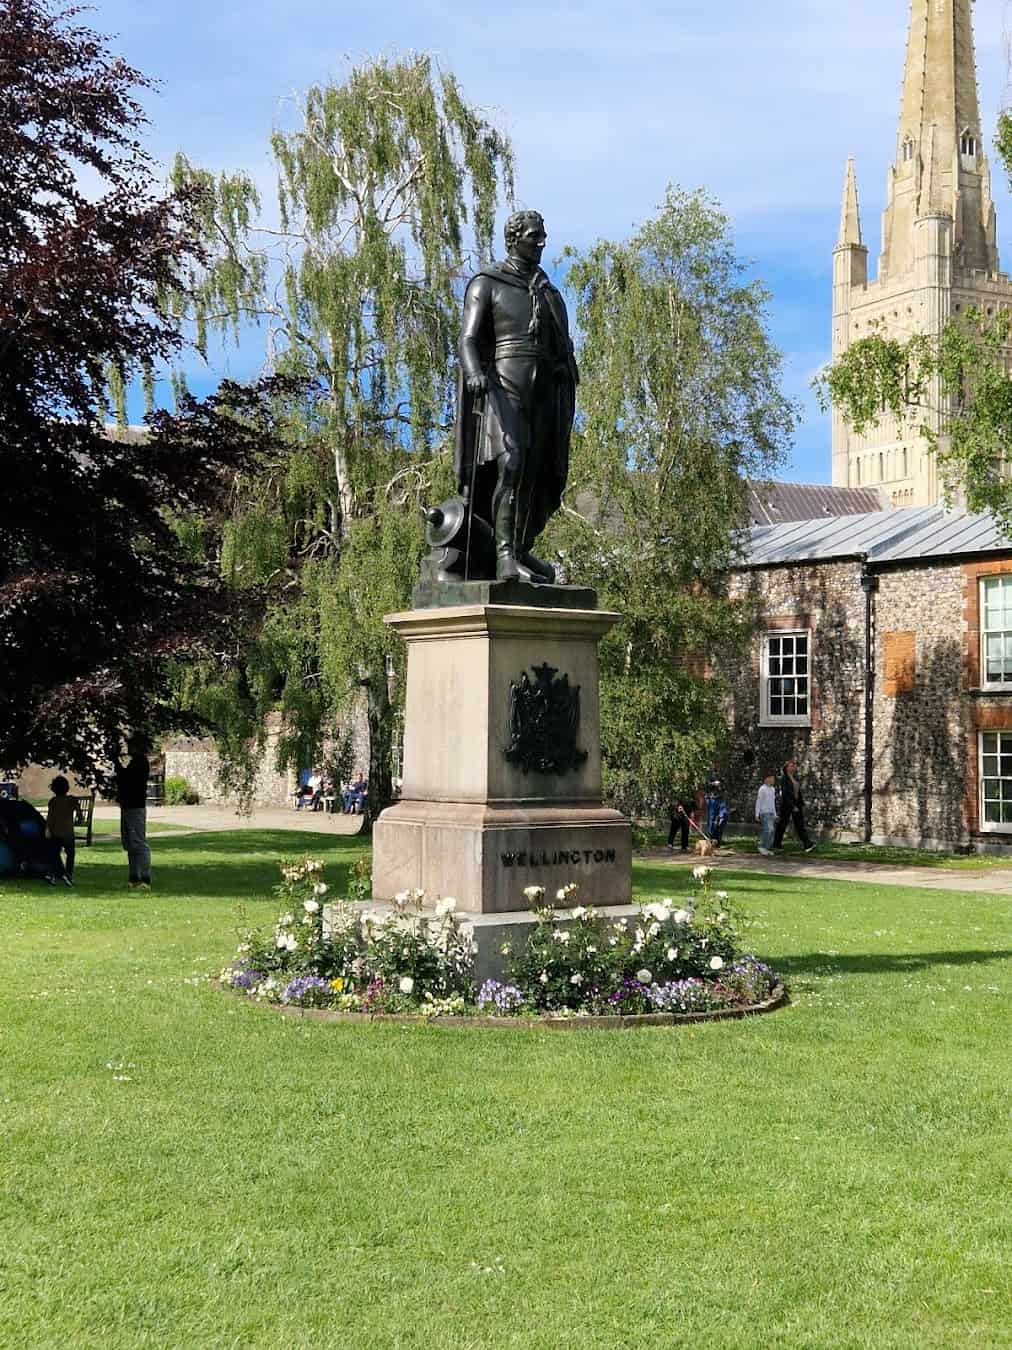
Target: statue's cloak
(482,423)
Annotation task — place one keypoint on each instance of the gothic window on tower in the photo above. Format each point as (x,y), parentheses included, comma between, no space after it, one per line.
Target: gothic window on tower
(968,144)
(907,150)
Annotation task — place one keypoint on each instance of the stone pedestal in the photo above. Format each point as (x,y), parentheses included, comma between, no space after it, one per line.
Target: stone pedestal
(471,823)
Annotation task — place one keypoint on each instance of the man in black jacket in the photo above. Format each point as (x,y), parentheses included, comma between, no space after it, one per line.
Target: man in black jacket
(792,808)
(132,795)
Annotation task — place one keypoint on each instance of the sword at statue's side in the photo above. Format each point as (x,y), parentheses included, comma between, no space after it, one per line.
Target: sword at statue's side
(479,416)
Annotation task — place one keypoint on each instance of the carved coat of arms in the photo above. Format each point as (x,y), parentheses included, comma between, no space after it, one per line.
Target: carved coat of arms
(544,722)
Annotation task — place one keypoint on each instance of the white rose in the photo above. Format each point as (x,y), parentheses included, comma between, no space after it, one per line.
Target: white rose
(543,977)
(579,911)
(591,951)
(576,979)
(311,906)
(716,963)
(701,873)
(657,911)
(286,919)
(534,892)
(405,984)
(291,942)
(672,953)
(645,976)
(319,888)
(721,895)
(681,916)
(445,906)
(280,941)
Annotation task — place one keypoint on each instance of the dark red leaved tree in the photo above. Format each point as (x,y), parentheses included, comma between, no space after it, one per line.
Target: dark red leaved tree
(97,592)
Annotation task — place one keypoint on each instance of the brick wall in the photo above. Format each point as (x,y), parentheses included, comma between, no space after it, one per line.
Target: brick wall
(989,710)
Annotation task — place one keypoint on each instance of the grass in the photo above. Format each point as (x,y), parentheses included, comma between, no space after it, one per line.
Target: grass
(180,1168)
(110,825)
(887,855)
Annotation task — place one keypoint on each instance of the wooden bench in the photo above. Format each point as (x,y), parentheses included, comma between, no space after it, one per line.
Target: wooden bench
(84,814)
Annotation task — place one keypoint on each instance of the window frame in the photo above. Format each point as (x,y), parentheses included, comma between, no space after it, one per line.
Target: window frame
(766,718)
(985,826)
(982,584)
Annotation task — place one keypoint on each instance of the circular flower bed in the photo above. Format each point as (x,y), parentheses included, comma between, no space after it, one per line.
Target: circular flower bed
(674,958)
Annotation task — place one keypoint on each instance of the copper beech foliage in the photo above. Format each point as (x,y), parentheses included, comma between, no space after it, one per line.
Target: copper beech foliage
(96,586)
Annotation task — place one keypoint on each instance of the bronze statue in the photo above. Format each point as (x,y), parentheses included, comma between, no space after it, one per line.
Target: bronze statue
(515,408)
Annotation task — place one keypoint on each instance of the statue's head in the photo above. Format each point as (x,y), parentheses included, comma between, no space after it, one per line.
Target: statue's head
(525,235)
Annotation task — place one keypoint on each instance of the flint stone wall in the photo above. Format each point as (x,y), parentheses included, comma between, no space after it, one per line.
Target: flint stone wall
(924,736)
(198,762)
(827,599)
(922,733)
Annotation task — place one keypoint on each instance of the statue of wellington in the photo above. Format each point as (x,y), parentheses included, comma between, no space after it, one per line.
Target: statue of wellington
(516,401)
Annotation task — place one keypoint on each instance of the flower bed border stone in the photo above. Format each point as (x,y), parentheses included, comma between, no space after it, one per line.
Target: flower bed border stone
(605,1022)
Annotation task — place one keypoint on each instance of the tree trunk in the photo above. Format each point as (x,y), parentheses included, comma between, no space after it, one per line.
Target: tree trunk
(380,716)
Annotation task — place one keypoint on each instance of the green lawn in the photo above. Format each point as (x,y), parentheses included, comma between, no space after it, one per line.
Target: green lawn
(831,851)
(110,825)
(181,1169)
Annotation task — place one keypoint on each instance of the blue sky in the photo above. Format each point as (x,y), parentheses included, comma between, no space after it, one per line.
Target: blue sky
(759,101)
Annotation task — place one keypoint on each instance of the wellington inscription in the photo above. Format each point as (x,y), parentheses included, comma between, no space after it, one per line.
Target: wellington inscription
(558,858)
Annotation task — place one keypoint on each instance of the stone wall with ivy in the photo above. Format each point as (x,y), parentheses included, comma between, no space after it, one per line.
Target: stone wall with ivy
(825,599)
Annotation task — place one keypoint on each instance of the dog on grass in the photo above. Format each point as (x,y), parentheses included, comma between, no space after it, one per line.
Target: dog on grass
(705,848)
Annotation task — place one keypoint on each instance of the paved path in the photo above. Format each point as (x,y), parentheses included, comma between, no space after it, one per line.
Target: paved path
(986,880)
(263,818)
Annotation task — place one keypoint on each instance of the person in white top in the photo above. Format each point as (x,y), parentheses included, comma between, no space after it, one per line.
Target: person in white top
(766,813)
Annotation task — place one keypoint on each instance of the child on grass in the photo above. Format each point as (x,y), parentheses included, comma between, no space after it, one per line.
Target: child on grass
(60,826)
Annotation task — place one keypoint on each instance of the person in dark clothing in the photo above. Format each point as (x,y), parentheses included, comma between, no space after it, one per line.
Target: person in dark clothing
(792,808)
(682,816)
(60,819)
(132,795)
(714,801)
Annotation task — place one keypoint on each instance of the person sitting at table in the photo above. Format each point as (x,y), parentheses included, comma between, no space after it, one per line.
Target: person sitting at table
(353,799)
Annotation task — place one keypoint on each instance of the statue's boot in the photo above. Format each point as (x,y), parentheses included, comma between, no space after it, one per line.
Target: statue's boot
(506,566)
(541,573)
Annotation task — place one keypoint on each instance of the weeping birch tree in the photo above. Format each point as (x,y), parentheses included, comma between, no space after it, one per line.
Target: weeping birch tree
(388,187)
(680,405)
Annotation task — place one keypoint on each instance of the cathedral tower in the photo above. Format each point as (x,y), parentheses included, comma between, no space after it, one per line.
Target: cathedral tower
(938,241)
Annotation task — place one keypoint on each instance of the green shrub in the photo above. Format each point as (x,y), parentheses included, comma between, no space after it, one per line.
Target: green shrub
(179,793)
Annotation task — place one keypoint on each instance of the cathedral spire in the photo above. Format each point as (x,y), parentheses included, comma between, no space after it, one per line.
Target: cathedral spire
(940,167)
(850,212)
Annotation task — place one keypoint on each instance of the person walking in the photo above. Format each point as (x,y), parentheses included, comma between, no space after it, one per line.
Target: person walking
(132,795)
(792,808)
(682,816)
(714,800)
(60,827)
(766,813)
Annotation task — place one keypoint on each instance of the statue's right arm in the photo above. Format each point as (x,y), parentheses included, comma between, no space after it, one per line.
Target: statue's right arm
(477,311)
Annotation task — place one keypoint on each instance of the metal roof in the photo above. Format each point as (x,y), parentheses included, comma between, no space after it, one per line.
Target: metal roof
(905,534)
(776,503)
